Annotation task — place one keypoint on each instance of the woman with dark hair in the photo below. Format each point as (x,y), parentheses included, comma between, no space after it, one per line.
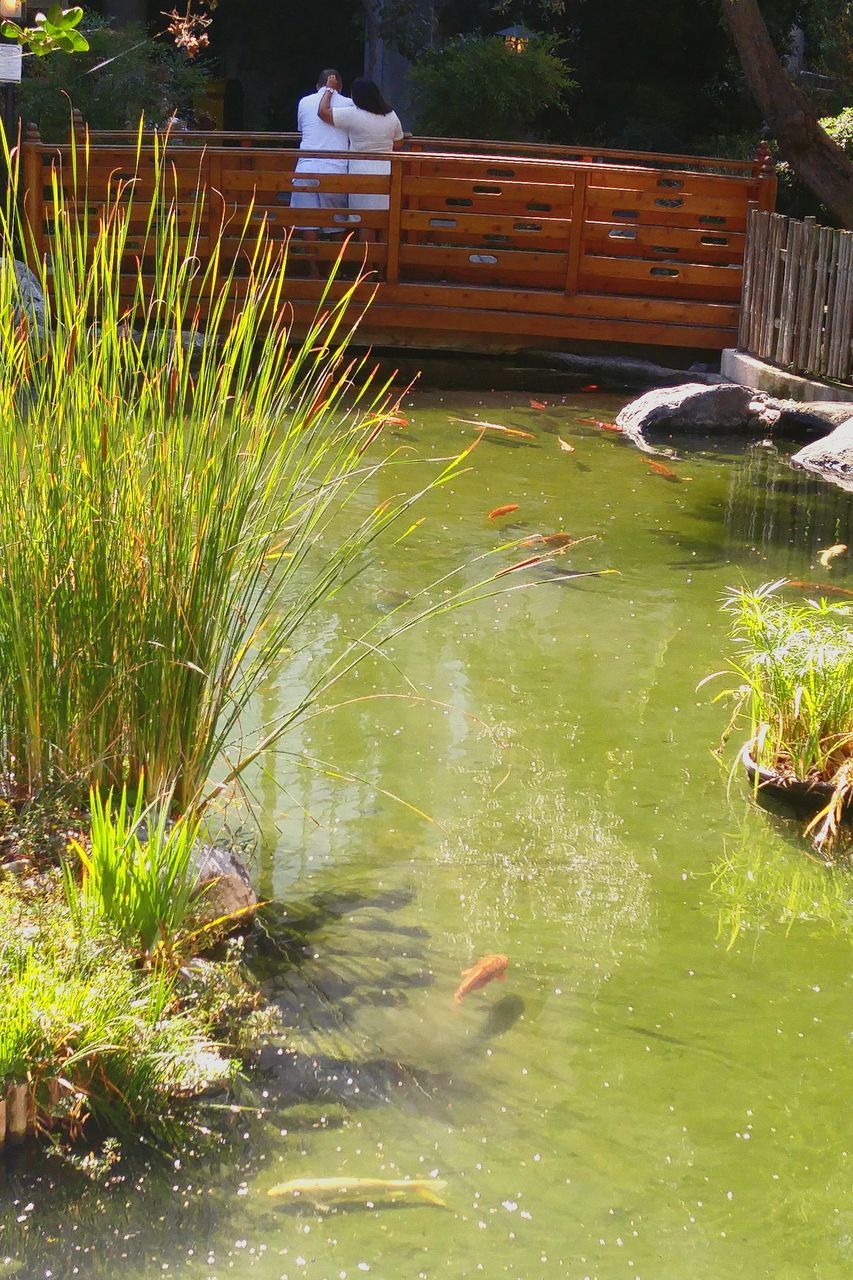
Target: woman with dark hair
(372,126)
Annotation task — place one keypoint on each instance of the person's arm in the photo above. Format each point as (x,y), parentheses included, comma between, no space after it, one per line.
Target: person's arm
(324,111)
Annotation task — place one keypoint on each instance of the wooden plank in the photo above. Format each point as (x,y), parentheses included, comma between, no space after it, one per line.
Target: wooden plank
(549,195)
(261,185)
(635,269)
(677,243)
(488,263)
(480,224)
(603,201)
(663,220)
(672,182)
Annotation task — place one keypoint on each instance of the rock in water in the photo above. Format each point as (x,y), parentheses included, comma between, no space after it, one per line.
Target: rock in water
(831,456)
(693,407)
(727,407)
(27,294)
(230,888)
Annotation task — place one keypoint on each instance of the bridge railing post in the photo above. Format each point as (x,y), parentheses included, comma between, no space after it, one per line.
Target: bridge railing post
(33,193)
(576,231)
(395,208)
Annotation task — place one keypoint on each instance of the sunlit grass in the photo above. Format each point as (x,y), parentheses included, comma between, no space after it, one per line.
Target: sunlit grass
(89,1032)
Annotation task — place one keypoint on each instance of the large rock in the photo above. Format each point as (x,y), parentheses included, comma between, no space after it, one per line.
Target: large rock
(30,302)
(727,407)
(226,881)
(694,407)
(831,456)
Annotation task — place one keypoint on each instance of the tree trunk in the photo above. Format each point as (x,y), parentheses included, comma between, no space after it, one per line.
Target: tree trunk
(816,159)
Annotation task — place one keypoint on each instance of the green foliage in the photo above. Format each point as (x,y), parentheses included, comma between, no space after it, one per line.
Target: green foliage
(123,75)
(795,662)
(91,1033)
(137,873)
(54,32)
(176,504)
(840,128)
(477,87)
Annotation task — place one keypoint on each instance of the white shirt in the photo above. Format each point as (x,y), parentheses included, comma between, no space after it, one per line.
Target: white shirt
(366,131)
(319,136)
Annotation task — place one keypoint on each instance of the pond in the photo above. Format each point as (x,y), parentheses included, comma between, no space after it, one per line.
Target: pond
(654,1090)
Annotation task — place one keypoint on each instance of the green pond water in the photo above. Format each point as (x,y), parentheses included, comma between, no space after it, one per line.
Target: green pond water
(639,1098)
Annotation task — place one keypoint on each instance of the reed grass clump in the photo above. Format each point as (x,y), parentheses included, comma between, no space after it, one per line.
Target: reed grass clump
(795,696)
(179,486)
(796,664)
(137,873)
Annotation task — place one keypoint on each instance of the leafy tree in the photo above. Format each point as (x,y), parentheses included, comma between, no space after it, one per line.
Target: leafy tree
(478,87)
(817,159)
(122,75)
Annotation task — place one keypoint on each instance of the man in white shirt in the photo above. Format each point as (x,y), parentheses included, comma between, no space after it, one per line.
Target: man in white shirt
(317,136)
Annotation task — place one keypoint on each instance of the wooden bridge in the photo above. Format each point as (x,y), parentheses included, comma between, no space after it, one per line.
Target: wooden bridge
(484,246)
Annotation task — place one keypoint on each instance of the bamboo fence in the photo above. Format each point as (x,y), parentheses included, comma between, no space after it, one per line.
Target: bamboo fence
(797,308)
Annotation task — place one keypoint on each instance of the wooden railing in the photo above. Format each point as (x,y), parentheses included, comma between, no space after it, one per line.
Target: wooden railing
(479,251)
(798,296)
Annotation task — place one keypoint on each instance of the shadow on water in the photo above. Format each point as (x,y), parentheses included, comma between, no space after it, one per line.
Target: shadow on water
(321,1058)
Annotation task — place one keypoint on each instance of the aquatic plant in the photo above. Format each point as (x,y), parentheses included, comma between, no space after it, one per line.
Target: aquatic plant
(179,493)
(795,665)
(137,872)
(91,1033)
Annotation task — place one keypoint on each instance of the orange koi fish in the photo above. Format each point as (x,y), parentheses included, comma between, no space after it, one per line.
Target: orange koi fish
(480,974)
(606,426)
(828,554)
(660,470)
(552,540)
(495,426)
(591,386)
(819,588)
(564,445)
(539,404)
(503,511)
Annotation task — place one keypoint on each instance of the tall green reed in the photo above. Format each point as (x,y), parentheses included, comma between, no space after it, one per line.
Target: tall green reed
(178,485)
(795,664)
(137,872)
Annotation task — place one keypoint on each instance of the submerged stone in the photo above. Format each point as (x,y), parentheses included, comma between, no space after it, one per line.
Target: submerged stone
(831,456)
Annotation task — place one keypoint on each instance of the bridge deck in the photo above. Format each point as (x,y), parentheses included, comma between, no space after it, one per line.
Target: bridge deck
(483,246)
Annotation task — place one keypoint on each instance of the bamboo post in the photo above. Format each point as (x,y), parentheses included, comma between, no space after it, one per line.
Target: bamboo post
(761,275)
(577,228)
(748,289)
(821,282)
(2,1123)
(790,293)
(843,321)
(807,275)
